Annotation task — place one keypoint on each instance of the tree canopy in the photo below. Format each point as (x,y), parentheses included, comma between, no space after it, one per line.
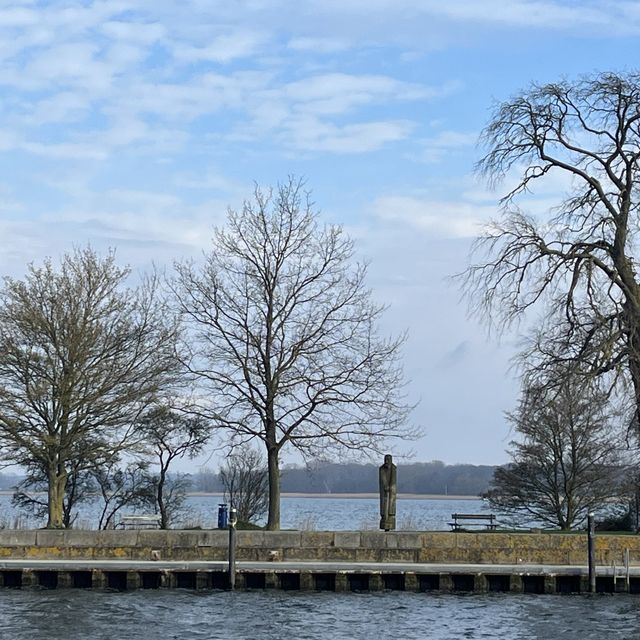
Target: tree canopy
(283,335)
(81,355)
(566,458)
(577,266)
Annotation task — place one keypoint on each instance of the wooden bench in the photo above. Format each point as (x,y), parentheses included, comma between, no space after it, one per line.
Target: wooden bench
(463,520)
(139,522)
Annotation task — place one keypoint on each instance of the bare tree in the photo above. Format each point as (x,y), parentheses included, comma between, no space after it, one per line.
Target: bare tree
(579,264)
(245,478)
(566,459)
(30,494)
(122,487)
(170,436)
(80,356)
(284,336)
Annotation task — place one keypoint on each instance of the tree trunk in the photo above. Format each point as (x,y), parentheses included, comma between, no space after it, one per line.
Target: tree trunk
(273,522)
(634,368)
(631,324)
(57,486)
(162,507)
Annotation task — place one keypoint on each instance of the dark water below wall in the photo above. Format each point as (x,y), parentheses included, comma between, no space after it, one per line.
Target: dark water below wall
(75,615)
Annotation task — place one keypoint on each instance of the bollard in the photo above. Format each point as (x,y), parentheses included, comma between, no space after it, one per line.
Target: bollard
(222,516)
(591,534)
(233,518)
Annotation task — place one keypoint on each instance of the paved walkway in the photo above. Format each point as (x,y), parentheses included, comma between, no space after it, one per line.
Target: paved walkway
(316,567)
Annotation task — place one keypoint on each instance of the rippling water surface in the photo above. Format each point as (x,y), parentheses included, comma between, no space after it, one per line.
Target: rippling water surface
(71,615)
(327,513)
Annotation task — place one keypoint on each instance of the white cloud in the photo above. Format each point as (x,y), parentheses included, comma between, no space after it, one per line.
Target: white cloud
(336,93)
(125,131)
(448,219)
(223,48)
(318,45)
(65,106)
(526,13)
(309,114)
(161,224)
(310,135)
(68,65)
(88,64)
(204,94)
(9,204)
(461,207)
(8,140)
(212,180)
(18,17)
(67,151)
(139,32)
(589,16)
(444,143)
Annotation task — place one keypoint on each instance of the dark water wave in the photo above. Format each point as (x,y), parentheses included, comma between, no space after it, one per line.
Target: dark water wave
(76,615)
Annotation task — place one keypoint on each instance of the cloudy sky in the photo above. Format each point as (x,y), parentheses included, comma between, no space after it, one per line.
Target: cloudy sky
(135,123)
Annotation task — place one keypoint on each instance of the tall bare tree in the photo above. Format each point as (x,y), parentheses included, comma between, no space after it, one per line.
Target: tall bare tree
(80,356)
(578,264)
(284,336)
(566,458)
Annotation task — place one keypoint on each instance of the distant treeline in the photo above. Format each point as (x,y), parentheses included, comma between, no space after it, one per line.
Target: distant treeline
(9,481)
(420,477)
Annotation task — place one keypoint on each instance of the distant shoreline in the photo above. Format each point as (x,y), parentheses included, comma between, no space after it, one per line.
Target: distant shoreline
(401,496)
(321,496)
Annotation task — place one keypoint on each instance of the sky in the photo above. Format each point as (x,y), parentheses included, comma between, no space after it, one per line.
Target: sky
(134,124)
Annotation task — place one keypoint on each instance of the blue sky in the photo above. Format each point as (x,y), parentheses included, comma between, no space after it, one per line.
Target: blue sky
(135,124)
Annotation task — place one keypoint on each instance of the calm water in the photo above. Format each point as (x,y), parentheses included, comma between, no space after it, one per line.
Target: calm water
(338,514)
(363,513)
(71,615)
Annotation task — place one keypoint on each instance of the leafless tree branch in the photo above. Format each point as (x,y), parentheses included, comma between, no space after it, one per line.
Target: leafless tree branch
(282,333)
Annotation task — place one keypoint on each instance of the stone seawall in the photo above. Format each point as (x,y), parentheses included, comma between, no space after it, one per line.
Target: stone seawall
(327,546)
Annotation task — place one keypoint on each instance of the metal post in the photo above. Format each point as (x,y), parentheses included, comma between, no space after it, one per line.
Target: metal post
(626,565)
(591,534)
(233,518)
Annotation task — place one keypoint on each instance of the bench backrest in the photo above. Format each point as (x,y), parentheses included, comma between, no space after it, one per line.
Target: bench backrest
(140,522)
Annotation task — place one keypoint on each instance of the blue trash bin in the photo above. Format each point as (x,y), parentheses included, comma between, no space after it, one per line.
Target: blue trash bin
(223,516)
